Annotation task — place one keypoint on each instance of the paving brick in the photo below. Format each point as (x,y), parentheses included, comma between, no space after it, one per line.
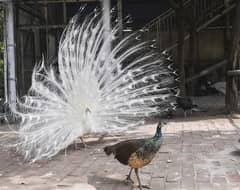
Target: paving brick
(188,157)
(145,179)
(204,186)
(173,176)
(187,170)
(163,156)
(188,183)
(219,180)
(234,178)
(216,163)
(197,154)
(159,169)
(187,140)
(234,186)
(172,140)
(172,186)
(202,176)
(173,147)
(197,140)
(187,148)
(81,186)
(157,183)
(218,186)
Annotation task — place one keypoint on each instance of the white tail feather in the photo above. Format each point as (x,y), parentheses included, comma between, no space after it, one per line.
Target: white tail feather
(93,91)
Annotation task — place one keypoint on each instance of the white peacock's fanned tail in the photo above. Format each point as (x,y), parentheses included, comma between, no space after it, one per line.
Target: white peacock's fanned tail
(96,88)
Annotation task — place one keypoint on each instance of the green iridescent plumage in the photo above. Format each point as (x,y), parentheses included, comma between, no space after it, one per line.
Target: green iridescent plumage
(136,153)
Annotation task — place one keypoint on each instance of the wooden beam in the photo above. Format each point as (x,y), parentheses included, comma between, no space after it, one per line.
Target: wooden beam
(57,1)
(31,12)
(207,71)
(205,24)
(225,11)
(33,27)
(234,72)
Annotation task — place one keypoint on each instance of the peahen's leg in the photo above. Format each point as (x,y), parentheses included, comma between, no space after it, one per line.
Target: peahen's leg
(84,144)
(100,139)
(185,114)
(128,179)
(139,182)
(191,111)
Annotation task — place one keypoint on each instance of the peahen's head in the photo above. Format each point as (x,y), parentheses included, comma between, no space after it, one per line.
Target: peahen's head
(159,129)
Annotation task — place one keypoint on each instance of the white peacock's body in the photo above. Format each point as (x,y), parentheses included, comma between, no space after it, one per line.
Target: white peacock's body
(94,90)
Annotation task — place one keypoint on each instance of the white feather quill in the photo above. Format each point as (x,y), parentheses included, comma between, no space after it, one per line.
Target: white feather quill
(93,91)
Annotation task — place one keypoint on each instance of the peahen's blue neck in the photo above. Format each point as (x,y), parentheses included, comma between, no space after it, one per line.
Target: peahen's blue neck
(158,133)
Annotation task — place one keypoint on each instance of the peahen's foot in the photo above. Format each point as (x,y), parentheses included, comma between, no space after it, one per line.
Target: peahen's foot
(84,144)
(78,146)
(129,180)
(143,186)
(139,182)
(101,138)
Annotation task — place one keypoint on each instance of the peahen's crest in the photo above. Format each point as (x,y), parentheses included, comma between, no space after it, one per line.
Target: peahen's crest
(97,87)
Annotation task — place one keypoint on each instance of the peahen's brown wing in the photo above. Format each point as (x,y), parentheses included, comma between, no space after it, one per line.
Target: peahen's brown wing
(123,150)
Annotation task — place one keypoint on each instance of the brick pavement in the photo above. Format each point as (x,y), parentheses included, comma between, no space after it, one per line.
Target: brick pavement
(199,153)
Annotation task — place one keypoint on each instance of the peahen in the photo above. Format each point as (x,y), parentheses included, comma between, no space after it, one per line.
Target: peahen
(186,104)
(136,153)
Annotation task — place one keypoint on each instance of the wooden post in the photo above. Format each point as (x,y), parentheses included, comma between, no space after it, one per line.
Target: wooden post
(11,53)
(106,17)
(106,4)
(179,8)
(234,62)
(120,17)
(227,31)
(64,13)
(21,51)
(192,18)
(46,24)
(5,59)
(191,22)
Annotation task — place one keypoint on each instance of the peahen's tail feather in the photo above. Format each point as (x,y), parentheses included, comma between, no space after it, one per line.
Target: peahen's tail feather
(109,150)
